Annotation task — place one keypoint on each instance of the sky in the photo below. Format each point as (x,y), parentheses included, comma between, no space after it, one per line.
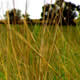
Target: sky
(34,7)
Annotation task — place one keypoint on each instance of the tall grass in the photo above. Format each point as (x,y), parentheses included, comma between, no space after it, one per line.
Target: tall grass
(39,52)
(44,53)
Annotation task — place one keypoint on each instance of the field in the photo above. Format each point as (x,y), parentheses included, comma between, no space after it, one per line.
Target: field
(39,52)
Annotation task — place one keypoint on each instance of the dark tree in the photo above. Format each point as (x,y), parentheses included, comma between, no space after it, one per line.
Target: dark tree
(14,16)
(60,13)
(26,16)
(49,12)
(78,8)
(69,14)
(59,3)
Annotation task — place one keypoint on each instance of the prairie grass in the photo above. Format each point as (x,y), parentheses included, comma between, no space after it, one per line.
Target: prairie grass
(39,52)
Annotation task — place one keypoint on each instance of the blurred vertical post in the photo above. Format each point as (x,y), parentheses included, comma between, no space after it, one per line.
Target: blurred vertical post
(26,10)
(14,11)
